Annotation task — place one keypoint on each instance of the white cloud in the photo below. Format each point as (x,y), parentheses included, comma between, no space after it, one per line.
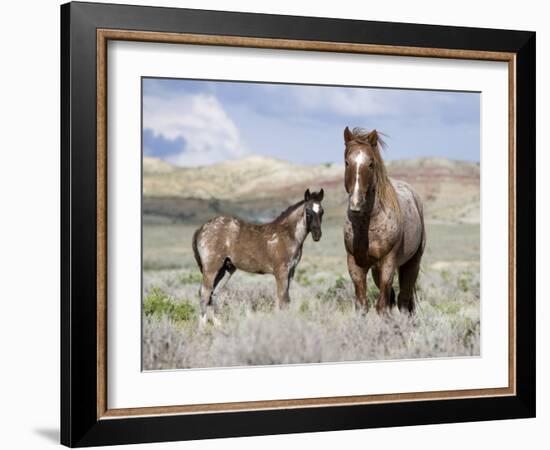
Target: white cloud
(209,133)
(343,101)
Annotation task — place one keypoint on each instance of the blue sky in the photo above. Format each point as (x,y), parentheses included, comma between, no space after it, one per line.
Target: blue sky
(193,122)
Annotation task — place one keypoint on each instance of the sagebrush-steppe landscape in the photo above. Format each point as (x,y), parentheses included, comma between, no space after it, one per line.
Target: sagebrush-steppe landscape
(321,324)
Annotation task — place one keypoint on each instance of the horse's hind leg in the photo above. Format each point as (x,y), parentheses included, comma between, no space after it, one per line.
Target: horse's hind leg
(206,290)
(408,274)
(210,278)
(376,278)
(221,279)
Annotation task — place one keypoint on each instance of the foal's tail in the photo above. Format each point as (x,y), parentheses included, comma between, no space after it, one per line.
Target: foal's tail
(195,248)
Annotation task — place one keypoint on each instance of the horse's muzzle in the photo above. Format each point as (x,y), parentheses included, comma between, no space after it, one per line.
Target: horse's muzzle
(316,236)
(355,208)
(356,203)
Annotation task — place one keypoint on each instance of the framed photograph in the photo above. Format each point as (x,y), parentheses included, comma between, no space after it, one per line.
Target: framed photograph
(276,224)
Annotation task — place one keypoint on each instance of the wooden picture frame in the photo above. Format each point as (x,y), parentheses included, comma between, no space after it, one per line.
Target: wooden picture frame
(86,418)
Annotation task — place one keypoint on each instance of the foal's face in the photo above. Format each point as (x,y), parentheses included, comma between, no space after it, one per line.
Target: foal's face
(314,213)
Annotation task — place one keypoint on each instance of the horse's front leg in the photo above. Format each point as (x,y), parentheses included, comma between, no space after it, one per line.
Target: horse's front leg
(385,273)
(358,276)
(282,276)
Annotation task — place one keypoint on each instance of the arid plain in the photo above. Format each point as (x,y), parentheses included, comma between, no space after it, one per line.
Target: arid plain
(321,324)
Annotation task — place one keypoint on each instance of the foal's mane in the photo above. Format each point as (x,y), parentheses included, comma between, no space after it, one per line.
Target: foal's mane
(386,191)
(287,212)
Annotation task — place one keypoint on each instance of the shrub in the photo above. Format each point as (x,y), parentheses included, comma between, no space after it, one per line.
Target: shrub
(339,294)
(464,281)
(158,304)
(302,278)
(334,292)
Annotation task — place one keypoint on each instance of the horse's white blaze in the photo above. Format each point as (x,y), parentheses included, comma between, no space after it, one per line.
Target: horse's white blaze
(360,159)
(316,207)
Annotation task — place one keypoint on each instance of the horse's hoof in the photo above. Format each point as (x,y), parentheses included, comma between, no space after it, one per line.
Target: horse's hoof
(383,312)
(202,322)
(216,322)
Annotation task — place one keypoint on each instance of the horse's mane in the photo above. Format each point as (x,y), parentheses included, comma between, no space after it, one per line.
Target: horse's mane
(386,192)
(287,212)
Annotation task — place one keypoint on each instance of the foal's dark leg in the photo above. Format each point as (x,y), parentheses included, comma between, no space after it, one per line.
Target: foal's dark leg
(358,276)
(376,278)
(387,270)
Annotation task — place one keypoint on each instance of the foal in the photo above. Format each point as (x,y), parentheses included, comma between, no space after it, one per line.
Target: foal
(226,243)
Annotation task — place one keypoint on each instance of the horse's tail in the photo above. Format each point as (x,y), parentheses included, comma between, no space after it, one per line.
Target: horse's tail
(195,248)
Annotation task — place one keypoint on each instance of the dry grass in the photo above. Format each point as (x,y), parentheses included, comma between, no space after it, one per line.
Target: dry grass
(321,324)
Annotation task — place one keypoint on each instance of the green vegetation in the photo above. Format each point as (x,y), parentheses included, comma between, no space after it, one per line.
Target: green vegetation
(336,292)
(304,307)
(301,277)
(157,304)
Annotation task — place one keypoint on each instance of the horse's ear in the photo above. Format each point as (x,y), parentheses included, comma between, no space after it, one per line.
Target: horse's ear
(307,195)
(373,138)
(348,135)
(321,195)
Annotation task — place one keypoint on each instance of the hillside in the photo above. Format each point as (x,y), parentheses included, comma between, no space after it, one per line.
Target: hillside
(258,187)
